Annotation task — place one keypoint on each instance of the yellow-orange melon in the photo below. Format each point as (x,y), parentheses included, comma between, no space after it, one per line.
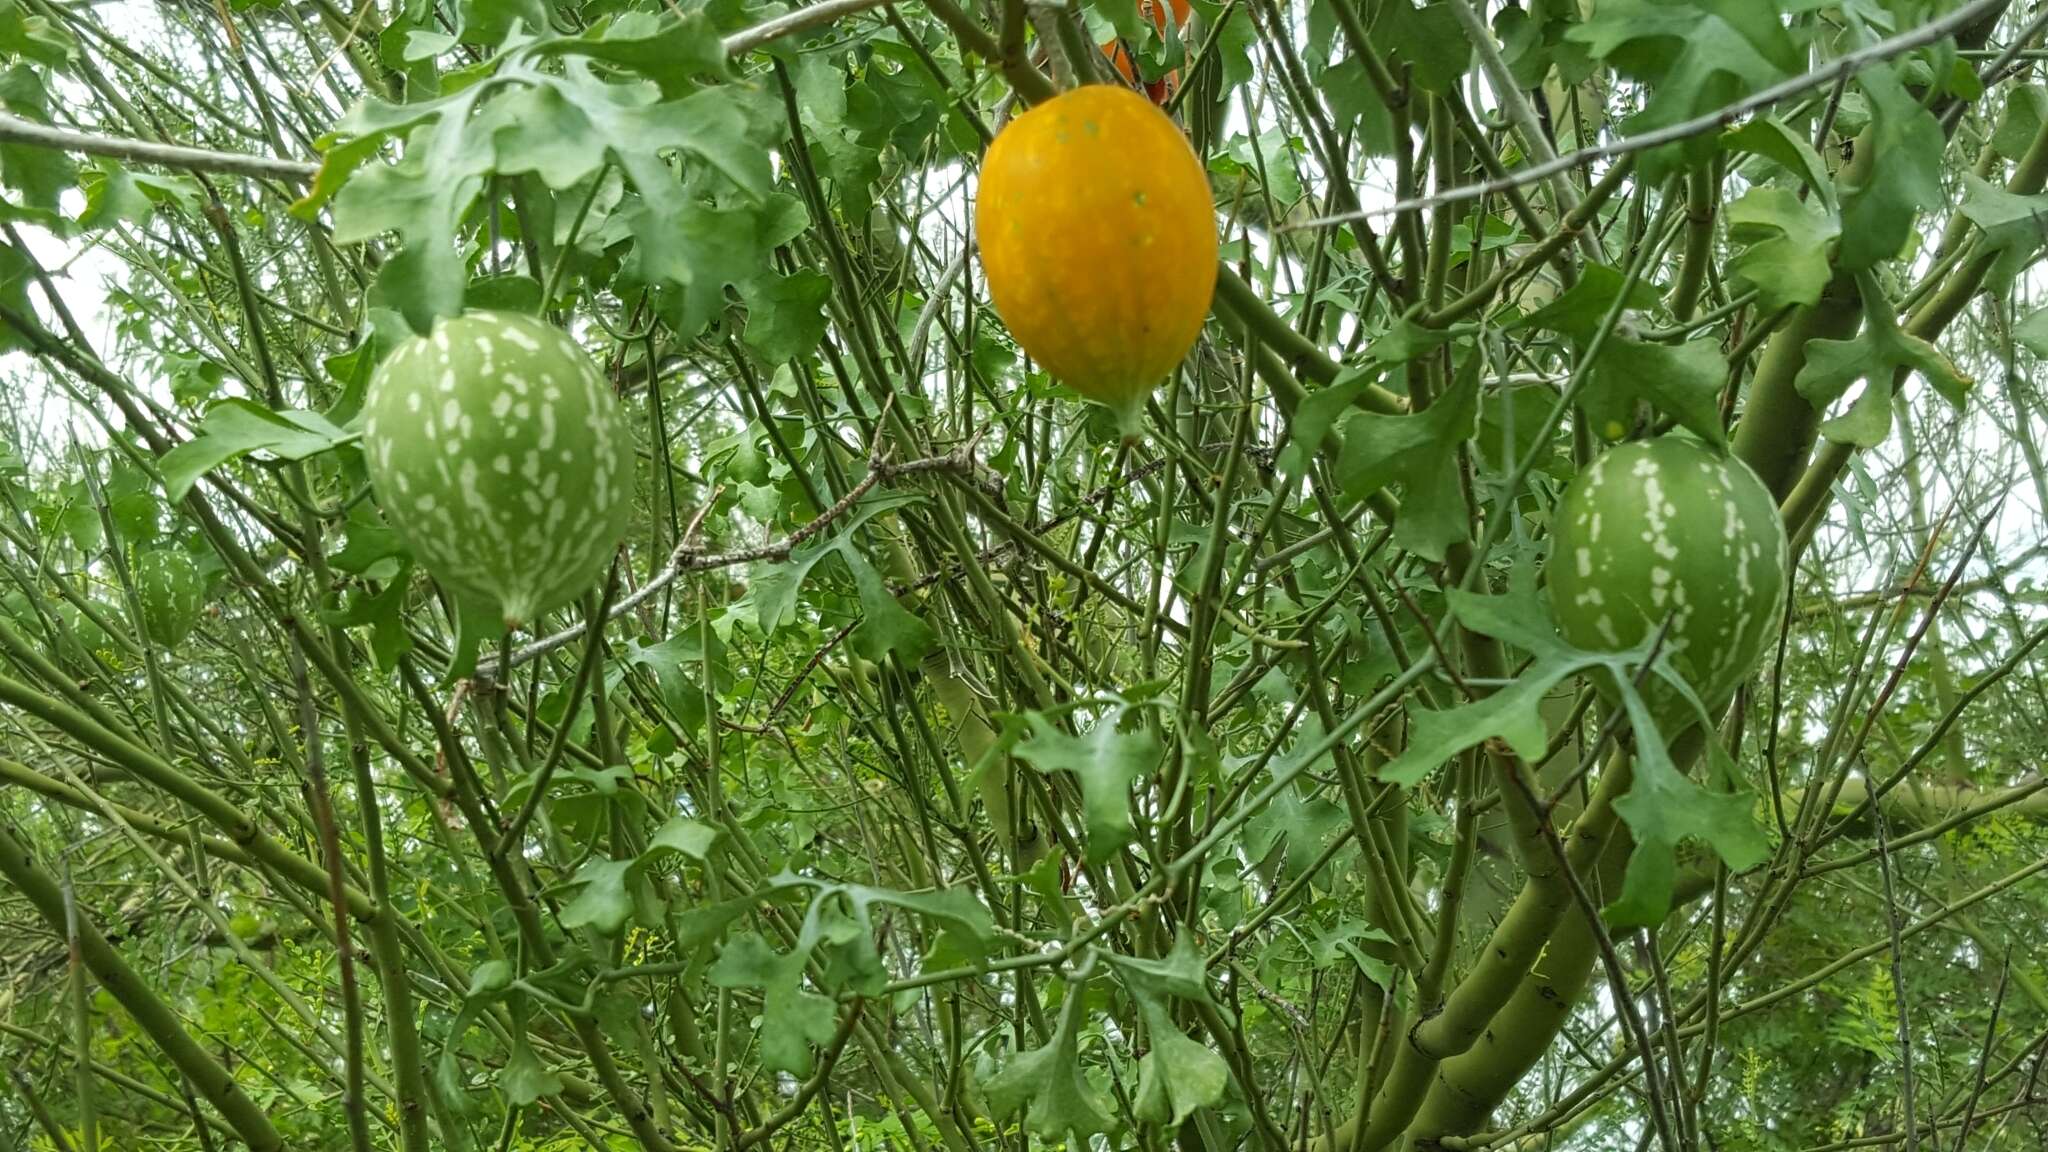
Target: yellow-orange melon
(1098,241)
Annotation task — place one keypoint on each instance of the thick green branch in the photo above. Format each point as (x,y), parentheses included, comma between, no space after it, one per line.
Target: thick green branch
(148,767)
(155,1017)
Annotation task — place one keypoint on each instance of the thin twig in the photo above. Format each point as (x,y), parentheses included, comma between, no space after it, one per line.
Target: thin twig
(1898,672)
(1891,917)
(796,682)
(15,130)
(1995,71)
(1002,551)
(1611,726)
(1984,1053)
(1606,1075)
(318,800)
(827,1061)
(801,20)
(593,657)
(81,1015)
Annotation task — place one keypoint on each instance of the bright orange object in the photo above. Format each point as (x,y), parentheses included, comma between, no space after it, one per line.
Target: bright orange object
(1160,90)
(1098,240)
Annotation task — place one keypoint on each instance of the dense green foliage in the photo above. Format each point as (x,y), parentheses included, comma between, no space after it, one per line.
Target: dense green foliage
(936,768)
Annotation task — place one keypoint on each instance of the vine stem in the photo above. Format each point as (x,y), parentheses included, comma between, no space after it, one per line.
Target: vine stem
(155,1018)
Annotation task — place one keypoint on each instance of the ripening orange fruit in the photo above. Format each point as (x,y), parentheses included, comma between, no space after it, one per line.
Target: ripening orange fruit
(1160,90)
(1098,240)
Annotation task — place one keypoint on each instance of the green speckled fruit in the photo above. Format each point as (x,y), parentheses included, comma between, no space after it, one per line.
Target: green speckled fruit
(500,455)
(171,592)
(1664,527)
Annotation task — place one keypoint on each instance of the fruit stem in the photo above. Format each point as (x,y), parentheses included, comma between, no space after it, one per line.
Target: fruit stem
(1130,417)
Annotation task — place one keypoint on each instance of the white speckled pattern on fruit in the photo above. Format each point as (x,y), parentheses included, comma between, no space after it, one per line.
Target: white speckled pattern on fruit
(499,453)
(1701,542)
